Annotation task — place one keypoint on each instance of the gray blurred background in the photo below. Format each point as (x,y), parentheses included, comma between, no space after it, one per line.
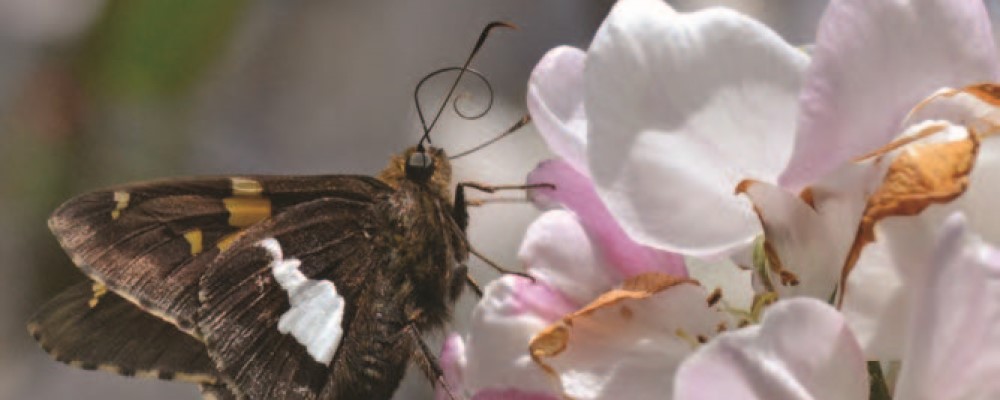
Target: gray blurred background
(98,92)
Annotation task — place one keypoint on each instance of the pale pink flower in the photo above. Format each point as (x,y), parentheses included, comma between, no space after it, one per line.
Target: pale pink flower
(866,87)
(804,349)
(571,271)
(672,110)
(659,123)
(584,254)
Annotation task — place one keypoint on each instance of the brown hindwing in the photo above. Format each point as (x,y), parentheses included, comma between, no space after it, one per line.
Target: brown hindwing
(216,392)
(118,337)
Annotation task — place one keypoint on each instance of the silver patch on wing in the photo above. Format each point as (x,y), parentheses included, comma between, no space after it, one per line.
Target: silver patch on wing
(314,319)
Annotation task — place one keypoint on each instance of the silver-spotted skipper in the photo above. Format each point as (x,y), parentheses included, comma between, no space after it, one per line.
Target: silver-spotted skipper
(266,287)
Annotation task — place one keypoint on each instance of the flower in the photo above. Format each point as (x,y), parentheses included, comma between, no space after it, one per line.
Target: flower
(926,149)
(865,79)
(804,349)
(672,110)
(589,273)
(534,336)
(687,133)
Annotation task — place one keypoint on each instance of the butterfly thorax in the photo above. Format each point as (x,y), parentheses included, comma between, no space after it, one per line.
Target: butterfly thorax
(429,243)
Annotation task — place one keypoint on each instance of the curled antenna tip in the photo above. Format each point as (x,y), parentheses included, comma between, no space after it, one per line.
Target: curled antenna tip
(503,24)
(486,32)
(461,72)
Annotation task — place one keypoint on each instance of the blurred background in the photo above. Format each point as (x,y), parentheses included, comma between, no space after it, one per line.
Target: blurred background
(100,92)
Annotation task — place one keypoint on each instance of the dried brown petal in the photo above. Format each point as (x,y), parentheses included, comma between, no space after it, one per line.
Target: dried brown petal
(554,339)
(922,175)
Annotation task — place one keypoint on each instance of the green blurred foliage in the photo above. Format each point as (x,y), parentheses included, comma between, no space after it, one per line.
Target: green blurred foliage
(110,109)
(144,48)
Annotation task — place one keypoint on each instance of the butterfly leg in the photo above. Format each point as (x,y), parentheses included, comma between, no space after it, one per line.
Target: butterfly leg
(461,210)
(459,278)
(474,285)
(482,187)
(496,266)
(426,360)
(461,215)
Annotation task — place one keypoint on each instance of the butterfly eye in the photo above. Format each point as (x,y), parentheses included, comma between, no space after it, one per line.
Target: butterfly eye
(420,160)
(420,166)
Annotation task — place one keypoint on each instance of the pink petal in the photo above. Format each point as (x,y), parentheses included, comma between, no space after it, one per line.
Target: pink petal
(452,360)
(539,299)
(681,108)
(567,266)
(874,61)
(555,101)
(802,350)
(953,349)
(575,191)
(511,394)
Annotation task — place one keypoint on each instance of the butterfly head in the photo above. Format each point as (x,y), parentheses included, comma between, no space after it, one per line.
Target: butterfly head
(428,167)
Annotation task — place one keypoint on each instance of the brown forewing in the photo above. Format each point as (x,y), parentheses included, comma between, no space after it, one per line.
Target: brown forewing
(140,240)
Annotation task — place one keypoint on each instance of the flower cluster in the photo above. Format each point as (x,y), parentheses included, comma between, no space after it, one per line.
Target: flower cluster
(854,180)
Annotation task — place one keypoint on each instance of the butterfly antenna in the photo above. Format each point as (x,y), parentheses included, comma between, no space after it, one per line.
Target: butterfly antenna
(461,72)
(514,128)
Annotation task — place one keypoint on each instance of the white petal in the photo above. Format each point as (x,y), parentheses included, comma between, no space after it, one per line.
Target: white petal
(801,240)
(812,241)
(974,106)
(873,62)
(977,108)
(802,350)
(878,295)
(980,200)
(879,292)
(684,106)
(953,350)
(575,191)
(874,303)
(840,199)
(734,282)
(497,345)
(630,348)
(555,100)
(679,203)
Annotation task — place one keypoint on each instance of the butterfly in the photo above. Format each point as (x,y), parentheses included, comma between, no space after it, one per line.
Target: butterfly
(267,287)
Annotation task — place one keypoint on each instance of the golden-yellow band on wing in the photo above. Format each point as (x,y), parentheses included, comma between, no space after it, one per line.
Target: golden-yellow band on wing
(244,212)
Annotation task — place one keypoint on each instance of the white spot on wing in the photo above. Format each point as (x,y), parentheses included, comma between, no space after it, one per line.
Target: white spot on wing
(246,187)
(317,310)
(121,202)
